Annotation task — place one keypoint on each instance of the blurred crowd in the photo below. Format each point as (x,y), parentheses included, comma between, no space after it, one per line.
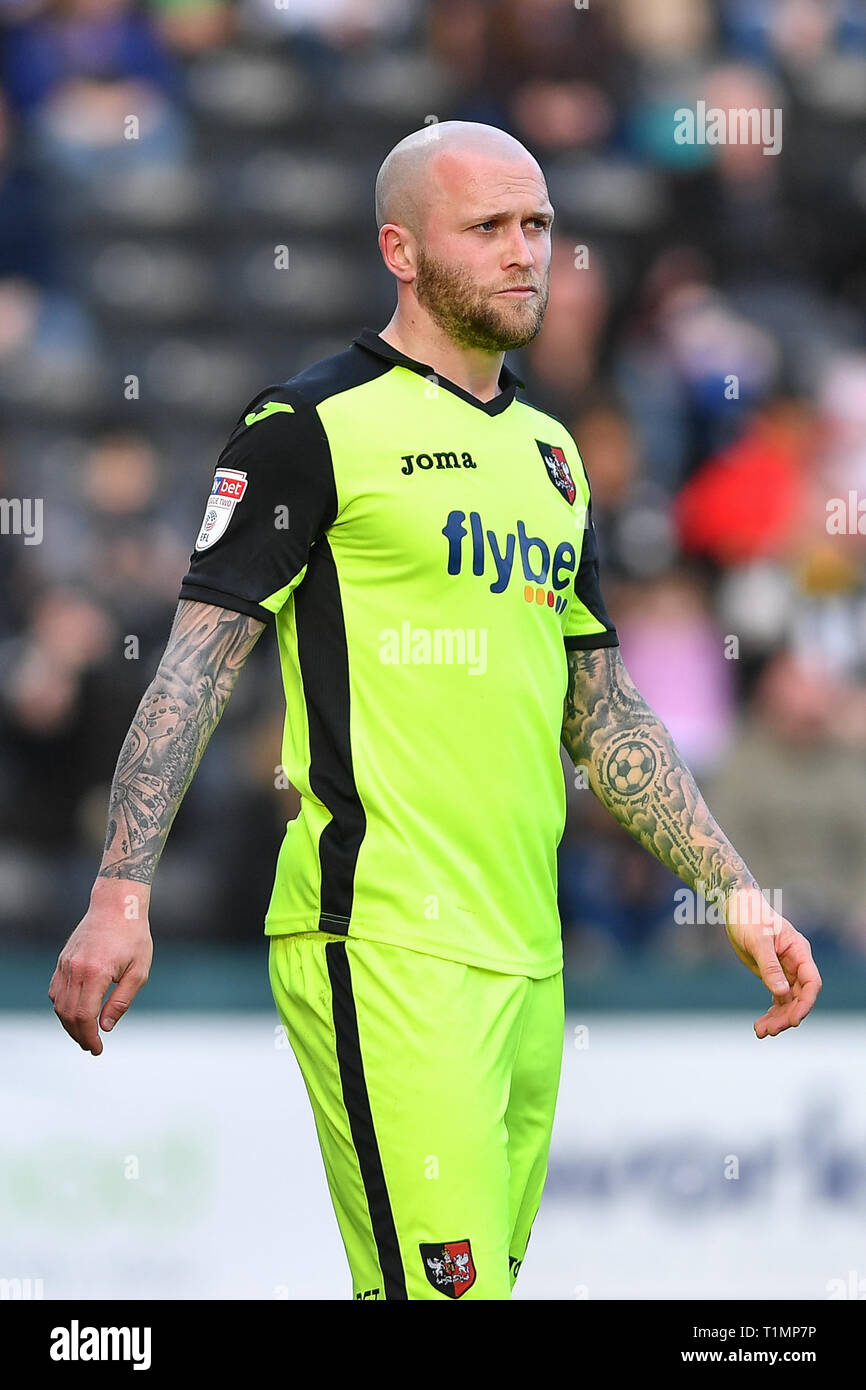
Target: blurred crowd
(705,342)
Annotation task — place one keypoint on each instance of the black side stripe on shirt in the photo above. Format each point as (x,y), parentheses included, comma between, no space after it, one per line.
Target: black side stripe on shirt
(588,592)
(324,661)
(357,1103)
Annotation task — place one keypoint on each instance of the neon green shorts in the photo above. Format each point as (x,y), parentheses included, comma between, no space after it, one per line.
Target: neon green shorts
(433,1086)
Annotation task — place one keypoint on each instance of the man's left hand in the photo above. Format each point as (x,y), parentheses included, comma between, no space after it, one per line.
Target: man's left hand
(778,954)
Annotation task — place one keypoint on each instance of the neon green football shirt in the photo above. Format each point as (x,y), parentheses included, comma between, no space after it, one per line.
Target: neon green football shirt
(426,558)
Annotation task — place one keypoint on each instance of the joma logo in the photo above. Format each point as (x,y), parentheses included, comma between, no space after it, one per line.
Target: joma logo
(441,459)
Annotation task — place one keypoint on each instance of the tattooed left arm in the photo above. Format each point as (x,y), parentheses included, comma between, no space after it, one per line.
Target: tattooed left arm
(636,771)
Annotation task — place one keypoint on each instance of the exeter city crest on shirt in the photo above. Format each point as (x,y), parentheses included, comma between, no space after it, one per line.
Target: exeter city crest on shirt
(228,489)
(449,1267)
(557,469)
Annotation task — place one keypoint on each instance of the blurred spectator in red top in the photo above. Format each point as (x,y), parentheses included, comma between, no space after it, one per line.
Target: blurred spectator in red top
(749,500)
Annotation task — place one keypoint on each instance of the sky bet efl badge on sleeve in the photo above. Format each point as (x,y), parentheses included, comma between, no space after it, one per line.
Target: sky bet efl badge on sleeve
(557,469)
(228,489)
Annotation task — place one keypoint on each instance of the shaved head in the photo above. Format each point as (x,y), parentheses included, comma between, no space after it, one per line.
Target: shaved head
(410,175)
(465,224)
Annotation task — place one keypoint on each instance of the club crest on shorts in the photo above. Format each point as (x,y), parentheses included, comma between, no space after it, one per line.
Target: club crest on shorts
(228,489)
(449,1267)
(557,469)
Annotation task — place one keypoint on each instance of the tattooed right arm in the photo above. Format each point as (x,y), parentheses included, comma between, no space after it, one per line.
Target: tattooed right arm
(179,711)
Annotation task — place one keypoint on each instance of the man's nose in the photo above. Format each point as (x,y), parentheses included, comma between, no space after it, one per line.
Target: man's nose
(518,250)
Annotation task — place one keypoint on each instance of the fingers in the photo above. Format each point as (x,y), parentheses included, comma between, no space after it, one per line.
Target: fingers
(788,1011)
(774,1021)
(73,1016)
(93,989)
(78,992)
(772,971)
(98,953)
(810,984)
(77,1006)
(120,998)
(777,1020)
(65,993)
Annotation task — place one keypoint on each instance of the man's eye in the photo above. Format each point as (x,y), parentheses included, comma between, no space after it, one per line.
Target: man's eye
(537,221)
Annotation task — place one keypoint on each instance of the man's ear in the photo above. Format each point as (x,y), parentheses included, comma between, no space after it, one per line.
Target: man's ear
(397,246)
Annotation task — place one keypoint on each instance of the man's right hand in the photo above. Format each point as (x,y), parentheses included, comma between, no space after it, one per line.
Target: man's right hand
(108,946)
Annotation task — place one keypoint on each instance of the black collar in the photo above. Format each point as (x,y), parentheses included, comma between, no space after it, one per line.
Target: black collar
(508,381)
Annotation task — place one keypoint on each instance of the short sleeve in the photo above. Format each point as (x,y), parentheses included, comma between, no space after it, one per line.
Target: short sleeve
(273,495)
(588,624)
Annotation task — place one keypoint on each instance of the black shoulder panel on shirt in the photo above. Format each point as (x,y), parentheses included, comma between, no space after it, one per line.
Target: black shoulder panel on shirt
(272,499)
(278,495)
(332,375)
